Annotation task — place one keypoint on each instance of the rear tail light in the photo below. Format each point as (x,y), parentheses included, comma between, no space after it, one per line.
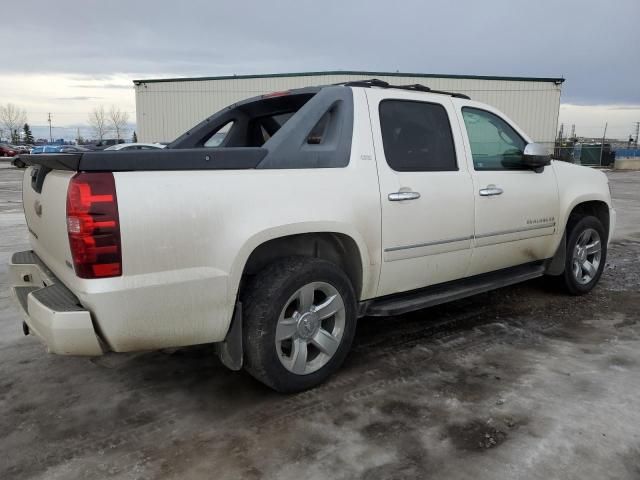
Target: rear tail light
(93,225)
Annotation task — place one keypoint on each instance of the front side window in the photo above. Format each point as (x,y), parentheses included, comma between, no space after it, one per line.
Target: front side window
(417,136)
(495,145)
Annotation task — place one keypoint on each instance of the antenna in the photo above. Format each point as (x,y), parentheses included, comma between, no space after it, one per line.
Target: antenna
(49,120)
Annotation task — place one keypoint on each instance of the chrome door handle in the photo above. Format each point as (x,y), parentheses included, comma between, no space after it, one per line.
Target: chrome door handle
(490,190)
(400,196)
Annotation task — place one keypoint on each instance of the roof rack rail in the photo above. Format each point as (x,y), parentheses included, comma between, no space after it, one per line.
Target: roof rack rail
(374,82)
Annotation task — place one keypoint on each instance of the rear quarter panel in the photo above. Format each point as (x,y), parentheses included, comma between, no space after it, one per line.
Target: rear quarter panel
(186,236)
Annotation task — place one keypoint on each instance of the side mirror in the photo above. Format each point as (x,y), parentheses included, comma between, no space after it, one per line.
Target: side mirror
(536,156)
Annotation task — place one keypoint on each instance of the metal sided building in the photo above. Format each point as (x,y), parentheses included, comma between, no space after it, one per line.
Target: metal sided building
(166,108)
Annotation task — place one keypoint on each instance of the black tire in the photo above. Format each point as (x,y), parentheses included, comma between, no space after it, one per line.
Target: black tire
(19,164)
(264,299)
(576,226)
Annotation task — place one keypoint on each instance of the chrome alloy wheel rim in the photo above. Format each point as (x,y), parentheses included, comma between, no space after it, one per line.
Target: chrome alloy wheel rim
(310,328)
(586,256)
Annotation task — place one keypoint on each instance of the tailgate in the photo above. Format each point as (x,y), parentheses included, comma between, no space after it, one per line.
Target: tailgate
(44,198)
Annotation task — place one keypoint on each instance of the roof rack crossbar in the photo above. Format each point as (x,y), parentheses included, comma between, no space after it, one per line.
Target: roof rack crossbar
(374,82)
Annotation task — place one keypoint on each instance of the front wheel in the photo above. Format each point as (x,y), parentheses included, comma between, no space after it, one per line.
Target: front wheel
(586,254)
(299,322)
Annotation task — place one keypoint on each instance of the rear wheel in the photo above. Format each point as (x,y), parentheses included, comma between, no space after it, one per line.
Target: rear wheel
(299,322)
(586,254)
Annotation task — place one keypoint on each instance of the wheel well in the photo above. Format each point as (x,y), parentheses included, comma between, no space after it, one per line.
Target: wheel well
(337,248)
(596,208)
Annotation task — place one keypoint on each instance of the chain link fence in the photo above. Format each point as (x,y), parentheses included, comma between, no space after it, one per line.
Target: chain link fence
(594,154)
(588,154)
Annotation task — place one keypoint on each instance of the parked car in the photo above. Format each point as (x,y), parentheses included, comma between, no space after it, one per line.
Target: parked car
(7,150)
(20,148)
(46,149)
(135,146)
(317,207)
(107,142)
(74,149)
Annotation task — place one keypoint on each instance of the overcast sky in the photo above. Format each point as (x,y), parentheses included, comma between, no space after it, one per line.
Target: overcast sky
(66,56)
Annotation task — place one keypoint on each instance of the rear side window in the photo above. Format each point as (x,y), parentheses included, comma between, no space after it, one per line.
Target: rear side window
(417,136)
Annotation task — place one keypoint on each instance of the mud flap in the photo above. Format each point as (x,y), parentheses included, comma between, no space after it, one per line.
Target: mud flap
(230,351)
(556,266)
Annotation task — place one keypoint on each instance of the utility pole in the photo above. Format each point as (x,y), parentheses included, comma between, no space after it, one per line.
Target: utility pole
(637,132)
(573,131)
(602,144)
(50,135)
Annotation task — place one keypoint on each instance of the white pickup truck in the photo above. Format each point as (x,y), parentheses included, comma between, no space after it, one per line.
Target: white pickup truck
(272,226)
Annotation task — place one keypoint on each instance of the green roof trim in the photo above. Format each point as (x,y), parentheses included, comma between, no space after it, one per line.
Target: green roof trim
(557,80)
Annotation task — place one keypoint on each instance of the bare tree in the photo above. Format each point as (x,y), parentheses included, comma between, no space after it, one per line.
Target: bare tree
(99,122)
(119,120)
(12,118)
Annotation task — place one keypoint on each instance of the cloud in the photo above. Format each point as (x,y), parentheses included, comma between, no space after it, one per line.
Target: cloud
(55,93)
(78,98)
(624,107)
(106,85)
(91,77)
(155,38)
(590,120)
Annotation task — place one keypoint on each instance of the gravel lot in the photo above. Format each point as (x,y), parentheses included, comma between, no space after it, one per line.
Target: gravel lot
(522,382)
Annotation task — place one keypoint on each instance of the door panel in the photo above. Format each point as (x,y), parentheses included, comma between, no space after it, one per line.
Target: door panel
(427,216)
(517,226)
(516,209)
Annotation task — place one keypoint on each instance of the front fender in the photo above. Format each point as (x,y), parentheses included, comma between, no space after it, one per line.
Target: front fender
(576,185)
